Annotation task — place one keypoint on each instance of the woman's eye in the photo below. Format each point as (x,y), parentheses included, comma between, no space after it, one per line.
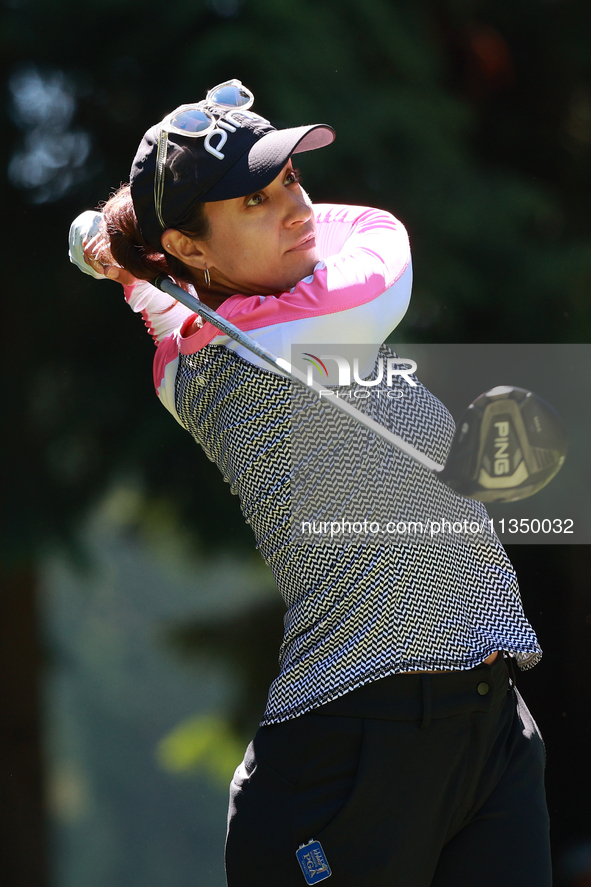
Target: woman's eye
(293,176)
(254,200)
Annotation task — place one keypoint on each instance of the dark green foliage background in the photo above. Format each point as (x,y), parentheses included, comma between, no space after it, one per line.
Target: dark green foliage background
(469,119)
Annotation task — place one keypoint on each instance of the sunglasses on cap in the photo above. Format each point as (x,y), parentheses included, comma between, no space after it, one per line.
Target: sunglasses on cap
(199,120)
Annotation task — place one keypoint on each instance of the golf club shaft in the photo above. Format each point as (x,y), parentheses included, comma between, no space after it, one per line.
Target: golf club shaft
(172,289)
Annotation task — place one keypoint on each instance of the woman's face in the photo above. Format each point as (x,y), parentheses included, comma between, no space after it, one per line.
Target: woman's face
(263,243)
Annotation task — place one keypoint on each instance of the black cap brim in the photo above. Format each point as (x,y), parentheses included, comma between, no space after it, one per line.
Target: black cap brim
(263,162)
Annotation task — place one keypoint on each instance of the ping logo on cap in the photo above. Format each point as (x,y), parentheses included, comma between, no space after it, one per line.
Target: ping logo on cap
(313,862)
(218,131)
(224,125)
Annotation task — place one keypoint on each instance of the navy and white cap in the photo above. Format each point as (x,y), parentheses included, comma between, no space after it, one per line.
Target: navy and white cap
(240,154)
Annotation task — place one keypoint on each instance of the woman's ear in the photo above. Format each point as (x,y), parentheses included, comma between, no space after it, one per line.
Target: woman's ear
(184,248)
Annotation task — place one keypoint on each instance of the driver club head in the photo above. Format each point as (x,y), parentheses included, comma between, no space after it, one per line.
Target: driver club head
(508,444)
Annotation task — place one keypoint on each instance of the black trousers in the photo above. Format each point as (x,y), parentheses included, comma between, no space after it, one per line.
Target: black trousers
(412,781)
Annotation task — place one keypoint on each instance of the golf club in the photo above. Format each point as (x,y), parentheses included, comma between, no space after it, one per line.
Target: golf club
(508,444)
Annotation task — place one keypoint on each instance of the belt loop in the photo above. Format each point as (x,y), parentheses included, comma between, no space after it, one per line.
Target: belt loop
(427,708)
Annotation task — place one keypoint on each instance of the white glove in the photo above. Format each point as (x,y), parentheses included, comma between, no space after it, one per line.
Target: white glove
(162,314)
(84,228)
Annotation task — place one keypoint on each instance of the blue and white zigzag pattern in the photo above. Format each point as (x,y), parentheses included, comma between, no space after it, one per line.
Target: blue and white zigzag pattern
(357,609)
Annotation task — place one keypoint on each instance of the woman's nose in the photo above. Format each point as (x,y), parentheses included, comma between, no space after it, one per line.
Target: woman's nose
(297,209)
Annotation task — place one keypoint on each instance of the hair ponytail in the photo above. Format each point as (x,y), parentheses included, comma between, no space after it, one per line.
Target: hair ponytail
(129,248)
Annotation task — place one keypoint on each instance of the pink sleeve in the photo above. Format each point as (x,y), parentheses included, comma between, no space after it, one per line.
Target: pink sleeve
(359,282)
(358,293)
(162,314)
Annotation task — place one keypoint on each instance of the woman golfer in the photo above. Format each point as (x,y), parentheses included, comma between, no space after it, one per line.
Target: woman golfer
(395,750)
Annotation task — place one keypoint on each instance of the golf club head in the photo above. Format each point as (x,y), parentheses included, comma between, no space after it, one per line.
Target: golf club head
(508,444)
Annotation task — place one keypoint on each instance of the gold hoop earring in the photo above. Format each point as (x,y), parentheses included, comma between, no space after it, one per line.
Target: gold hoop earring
(207,276)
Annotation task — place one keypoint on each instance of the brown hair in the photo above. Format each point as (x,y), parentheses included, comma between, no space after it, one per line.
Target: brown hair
(129,248)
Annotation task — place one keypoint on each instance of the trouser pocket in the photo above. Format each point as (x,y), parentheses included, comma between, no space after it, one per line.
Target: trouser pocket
(329,776)
(295,780)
